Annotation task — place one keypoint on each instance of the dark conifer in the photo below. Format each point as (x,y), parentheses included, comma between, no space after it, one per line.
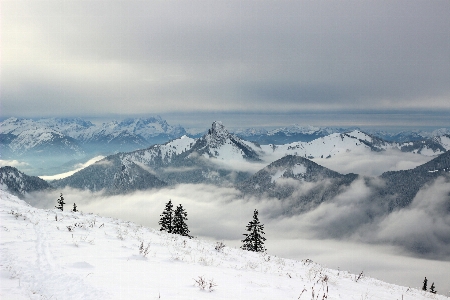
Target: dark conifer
(60,203)
(254,241)
(167,218)
(432,288)
(425,282)
(179,225)
(74,208)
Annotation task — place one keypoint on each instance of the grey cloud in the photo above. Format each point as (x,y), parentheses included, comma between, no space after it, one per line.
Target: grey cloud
(430,236)
(223,55)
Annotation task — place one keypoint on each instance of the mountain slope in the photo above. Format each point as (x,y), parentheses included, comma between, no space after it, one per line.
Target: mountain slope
(20,184)
(47,254)
(402,186)
(22,137)
(285,177)
(112,175)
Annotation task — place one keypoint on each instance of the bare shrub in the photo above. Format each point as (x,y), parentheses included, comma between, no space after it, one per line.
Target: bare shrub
(144,250)
(359,277)
(204,284)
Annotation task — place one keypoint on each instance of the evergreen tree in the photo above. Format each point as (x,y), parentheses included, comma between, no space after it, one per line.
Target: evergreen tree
(179,225)
(167,218)
(60,203)
(432,288)
(254,241)
(425,282)
(74,208)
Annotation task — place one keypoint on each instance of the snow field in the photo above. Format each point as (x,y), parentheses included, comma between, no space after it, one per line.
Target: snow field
(49,254)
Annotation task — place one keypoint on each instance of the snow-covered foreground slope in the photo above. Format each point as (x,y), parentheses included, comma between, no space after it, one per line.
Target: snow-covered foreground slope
(48,254)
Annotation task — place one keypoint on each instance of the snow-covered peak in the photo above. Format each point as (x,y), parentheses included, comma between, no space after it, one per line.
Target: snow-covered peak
(360,135)
(217,135)
(218,129)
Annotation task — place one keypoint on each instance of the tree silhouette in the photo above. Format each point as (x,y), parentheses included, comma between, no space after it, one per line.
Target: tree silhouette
(60,203)
(254,241)
(167,218)
(179,225)
(425,282)
(432,288)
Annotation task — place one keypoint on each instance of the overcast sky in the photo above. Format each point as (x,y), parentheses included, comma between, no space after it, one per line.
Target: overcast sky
(307,62)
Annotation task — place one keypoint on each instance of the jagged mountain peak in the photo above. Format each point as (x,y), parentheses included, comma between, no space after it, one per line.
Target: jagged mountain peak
(218,131)
(217,135)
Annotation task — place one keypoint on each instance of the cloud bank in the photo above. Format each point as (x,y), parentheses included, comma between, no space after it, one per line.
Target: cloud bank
(350,232)
(92,58)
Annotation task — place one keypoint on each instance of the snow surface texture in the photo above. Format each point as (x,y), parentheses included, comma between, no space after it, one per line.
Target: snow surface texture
(49,254)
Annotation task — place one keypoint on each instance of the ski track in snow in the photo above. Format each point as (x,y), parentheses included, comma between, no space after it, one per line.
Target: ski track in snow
(84,256)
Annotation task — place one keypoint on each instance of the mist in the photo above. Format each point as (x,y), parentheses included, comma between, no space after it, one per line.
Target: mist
(351,232)
(371,163)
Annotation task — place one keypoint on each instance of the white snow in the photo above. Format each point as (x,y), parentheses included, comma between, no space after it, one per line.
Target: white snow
(278,174)
(299,169)
(49,254)
(77,168)
(327,146)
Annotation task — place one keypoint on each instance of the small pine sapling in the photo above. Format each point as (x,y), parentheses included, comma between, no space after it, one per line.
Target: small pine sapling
(179,225)
(219,246)
(60,202)
(254,240)
(74,208)
(432,288)
(167,218)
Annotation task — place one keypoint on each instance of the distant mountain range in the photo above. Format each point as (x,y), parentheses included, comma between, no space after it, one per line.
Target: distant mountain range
(297,133)
(76,137)
(216,158)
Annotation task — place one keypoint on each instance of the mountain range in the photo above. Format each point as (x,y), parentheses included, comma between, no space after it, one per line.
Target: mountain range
(75,136)
(222,158)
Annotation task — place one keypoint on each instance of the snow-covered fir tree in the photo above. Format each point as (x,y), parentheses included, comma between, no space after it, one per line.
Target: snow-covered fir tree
(254,241)
(167,218)
(60,202)
(179,225)
(74,208)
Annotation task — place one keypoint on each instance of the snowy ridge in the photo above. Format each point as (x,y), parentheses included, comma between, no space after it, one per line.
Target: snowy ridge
(49,254)
(163,152)
(356,140)
(18,183)
(327,146)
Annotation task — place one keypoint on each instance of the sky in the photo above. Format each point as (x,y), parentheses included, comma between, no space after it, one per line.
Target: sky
(271,63)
